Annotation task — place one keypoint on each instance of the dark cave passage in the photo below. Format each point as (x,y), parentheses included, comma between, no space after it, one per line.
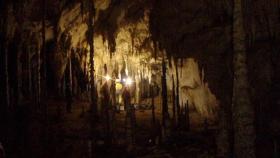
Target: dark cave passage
(139,78)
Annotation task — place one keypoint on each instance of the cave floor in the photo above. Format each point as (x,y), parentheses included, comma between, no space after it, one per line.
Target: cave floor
(68,135)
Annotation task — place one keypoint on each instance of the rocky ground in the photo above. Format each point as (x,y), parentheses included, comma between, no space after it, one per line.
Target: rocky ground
(68,135)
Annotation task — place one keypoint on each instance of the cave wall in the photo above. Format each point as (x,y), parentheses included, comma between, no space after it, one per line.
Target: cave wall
(183,29)
(123,36)
(199,30)
(202,30)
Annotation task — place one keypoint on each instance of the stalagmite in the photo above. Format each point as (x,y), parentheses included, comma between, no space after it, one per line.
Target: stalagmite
(153,103)
(105,113)
(165,114)
(187,117)
(113,109)
(129,118)
(68,92)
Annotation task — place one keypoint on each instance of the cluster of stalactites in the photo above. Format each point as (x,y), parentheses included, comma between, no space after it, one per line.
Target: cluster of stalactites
(193,89)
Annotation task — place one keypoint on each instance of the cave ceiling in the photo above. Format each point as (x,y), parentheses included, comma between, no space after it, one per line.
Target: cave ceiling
(177,26)
(182,28)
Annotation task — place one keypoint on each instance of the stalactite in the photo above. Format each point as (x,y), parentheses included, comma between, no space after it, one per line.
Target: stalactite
(173,101)
(177,89)
(85,63)
(82,7)
(181,65)
(132,35)
(93,105)
(137,89)
(71,71)
(74,88)
(63,85)
(91,45)
(155,49)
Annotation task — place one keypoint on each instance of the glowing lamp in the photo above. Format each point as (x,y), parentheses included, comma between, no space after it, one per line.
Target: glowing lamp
(119,86)
(128,81)
(107,77)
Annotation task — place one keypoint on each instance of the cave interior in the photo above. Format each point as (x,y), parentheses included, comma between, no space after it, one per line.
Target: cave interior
(139,78)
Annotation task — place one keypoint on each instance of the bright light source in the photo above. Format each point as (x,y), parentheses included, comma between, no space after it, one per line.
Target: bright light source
(128,81)
(107,77)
